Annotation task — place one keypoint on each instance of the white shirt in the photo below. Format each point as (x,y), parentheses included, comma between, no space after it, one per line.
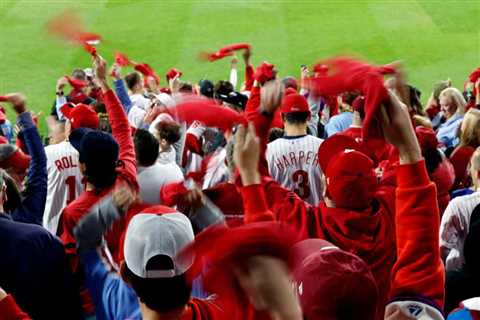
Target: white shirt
(454,228)
(64,182)
(293,162)
(135,116)
(217,170)
(152,179)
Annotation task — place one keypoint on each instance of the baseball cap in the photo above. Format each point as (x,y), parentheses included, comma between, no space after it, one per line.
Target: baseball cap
(234,98)
(172,73)
(206,88)
(351,180)
(332,283)
(152,235)
(294,102)
(13,157)
(80,116)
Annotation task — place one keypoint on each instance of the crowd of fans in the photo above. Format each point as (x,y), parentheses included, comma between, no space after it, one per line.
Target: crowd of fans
(310,204)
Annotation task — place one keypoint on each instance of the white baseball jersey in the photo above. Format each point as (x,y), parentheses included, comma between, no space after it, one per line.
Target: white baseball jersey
(152,179)
(64,182)
(293,162)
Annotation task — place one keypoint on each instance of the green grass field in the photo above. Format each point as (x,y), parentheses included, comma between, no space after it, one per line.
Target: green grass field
(435,39)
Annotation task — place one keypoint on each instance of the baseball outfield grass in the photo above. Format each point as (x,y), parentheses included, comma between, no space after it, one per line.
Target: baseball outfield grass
(435,39)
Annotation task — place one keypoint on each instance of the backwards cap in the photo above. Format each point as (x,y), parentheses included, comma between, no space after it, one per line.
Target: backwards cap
(351,179)
(80,116)
(151,235)
(331,282)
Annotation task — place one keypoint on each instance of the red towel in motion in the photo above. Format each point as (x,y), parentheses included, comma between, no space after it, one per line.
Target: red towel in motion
(69,27)
(121,59)
(223,52)
(147,71)
(347,74)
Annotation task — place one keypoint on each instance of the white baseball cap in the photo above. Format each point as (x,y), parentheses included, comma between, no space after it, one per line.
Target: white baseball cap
(151,235)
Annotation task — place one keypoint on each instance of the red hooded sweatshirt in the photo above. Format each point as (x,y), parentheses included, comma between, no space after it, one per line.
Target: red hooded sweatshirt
(369,234)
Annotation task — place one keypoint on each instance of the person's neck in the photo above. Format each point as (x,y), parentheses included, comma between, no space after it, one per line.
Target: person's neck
(137,91)
(357,120)
(295,130)
(90,187)
(149,314)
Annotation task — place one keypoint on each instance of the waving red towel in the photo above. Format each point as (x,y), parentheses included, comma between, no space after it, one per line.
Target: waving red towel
(223,52)
(3,98)
(76,83)
(347,74)
(69,27)
(147,71)
(121,59)
(208,112)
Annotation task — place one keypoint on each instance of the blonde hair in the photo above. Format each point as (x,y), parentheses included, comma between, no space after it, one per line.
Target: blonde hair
(419,120)
(475,167)
(456,98)
(470,129)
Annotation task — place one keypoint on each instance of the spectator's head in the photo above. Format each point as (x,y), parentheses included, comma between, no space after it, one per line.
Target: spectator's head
(290,82)
(222,87)
(56,132)
(15,162)
(295,112)
(351,182)
(206,88)
(134,81)
(146,148)
(470,129)
(415,102)
(428,142)
(10,196)
(152,265)
(438,88)
(168,133)
(346,100)
(185,87)
(79,116)
(452,102)
(332,284)
(475,168)
(79,74)
(98,156)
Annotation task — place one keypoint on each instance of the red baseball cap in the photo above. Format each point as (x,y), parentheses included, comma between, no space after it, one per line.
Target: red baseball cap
(3,117)
(13,157)
(294,102)
(80,116)
(172,73)
(331,282)
(351,179)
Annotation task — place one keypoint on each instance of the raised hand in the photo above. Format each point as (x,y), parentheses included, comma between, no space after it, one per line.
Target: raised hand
(271,95)
(18,101)
(246,153)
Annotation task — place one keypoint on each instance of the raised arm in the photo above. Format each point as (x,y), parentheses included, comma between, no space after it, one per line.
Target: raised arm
(120,88)
(119,123)
(418,276)
(32,207)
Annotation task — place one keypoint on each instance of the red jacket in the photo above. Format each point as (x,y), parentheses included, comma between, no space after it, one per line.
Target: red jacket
(369,234)
(9,310)
(127,173)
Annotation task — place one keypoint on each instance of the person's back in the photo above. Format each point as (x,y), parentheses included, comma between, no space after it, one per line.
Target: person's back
(34,269)
(151,179)
(64,182)
(293,162)
(292,159)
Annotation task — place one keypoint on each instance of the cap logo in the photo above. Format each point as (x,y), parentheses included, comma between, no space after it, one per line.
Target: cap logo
(415,309)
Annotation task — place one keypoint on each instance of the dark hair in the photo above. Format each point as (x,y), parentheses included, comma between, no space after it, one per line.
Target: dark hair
(99,107)
(290,82)
(433,158)
(349,96)
(104,123)
(132,79)
(160,294)
(222,87)
(296,117)
(79,74)
(146,148)
(415,102)
(169,131)
(274,134)
(185,87)
(14,197)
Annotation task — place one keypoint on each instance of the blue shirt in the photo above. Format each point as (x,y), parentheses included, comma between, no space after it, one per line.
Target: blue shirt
(339,123)
(447,132)
(122,95)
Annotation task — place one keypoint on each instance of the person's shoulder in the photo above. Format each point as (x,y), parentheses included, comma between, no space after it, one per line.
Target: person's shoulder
(25,232)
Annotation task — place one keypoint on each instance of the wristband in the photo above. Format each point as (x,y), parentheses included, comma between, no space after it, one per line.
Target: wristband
(59,93)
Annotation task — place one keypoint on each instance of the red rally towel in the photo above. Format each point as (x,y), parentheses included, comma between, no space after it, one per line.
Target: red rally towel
(147,71)
(347,74)
(218,250)
(122,60)
(223,52)
(76,83)
(208,112)
(69,27)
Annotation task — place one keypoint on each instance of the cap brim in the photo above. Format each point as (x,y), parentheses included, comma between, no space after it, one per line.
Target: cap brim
(333,145)
(76,137)
(305,248)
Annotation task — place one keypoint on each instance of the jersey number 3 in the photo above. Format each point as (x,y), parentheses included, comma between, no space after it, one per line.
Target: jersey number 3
(302,189)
